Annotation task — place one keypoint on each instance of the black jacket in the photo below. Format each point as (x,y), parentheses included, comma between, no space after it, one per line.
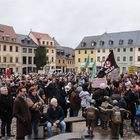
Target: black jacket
(6,106)
(53,115)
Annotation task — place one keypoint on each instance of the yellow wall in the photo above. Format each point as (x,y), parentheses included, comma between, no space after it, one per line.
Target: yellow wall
(82,56)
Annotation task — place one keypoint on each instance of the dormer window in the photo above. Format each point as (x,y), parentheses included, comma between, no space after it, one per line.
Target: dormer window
(120,42)
(110,42)
(93,43)
(83,44)
(102,43)
(130,41)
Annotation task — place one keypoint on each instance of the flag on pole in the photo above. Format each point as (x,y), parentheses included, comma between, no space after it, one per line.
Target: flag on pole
(109,65)
(87,62)
(93,74)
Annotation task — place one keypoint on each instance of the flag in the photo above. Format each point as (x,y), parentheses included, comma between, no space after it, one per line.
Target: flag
(109,65)
(93,74)
(87,62)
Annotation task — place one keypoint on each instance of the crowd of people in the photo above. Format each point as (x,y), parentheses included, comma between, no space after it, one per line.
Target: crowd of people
(25,96)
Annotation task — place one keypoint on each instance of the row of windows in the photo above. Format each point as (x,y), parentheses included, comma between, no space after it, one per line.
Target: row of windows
(24,60)
(63,61)
(79,52)
(52,51)
(7,38)
(8,48)
(91,60)
(47,43)
(9,60)
(24,50)
(110,42)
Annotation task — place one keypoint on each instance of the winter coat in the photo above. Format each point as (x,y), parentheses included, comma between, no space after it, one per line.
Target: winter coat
(85,98)
(55,114)
(22,113)
(6,106)
(75,101)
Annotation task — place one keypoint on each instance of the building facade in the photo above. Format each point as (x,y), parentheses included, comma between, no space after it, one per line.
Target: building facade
(126,47)
(28,48)
(42,39)
(10,56)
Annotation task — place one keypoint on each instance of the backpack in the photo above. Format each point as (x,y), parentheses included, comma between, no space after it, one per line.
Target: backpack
(90,113)
(116,115)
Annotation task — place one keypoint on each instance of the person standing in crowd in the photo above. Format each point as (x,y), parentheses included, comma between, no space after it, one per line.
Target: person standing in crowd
(85,97)
(55,117)
(6,107)
(22,113)
(37,104)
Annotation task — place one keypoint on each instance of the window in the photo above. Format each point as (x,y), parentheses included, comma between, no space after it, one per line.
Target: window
(0,59)
(102,43)
(83,44)
(130,41)
(51,43)
(43,42)
(34,60)
(93,43)
(79,51)
(28,42)
(4,59)
(34,50)
(24,50)
(30,50)
(118,58)
(24,59)
(124,58)
(118,50)
(47,43)
(138,58)
(52,51)
(98,50)
(124,49)
(4,48)
(110,42)
(11,48)
(63,61)
(0,47)
(16,48)
(138,49)
(29,60)
(91,59)
(123,69)
(131,58)
(103,58)
(98,58)
(91,51)
(52,59)
(47,50)
(59,61)
(85,51)
(11,59)
(79,60)
(120,42)
(16,59)
(103,50)
(131,49)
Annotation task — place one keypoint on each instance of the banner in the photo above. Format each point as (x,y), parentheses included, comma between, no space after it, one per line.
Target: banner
(97,81)
(93,74)
(109,65)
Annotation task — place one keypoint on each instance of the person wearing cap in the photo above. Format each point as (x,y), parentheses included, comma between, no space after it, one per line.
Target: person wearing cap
(55,117)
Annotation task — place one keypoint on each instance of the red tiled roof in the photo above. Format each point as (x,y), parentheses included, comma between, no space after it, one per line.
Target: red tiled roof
(40,35)
(7,30)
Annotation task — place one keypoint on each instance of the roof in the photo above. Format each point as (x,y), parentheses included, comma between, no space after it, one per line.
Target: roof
(40,35)
(7,31)
(87,41)
(25,40)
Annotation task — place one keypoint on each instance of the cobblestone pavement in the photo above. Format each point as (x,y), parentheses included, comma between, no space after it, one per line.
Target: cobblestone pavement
(129,134)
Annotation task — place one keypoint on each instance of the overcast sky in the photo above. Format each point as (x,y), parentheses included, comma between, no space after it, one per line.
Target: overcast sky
(70,20)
